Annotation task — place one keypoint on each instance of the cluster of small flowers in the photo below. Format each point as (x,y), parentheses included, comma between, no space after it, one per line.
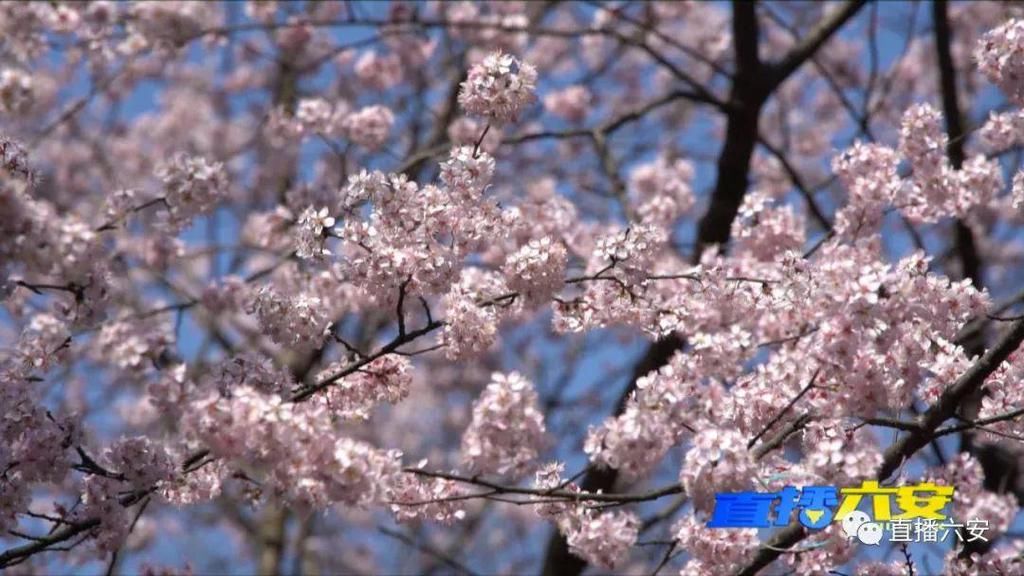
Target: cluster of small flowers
(119,204)
(1003,394)
(714,552)
(602,304)
(571,103)
(623,259)
(631,250)
(399,246)
(270,230)
(364,187)
(827,549)
(171,392)
(369,127)
(662,189)
(537,270)
(386,379)
(869,174)
(498,88)
(381,261)
(14,160)
(473,313)
(141,463)
(467,172)
(16,91)
(44,342)
(78,246)
(600,538)
(868,318)
(158,252)
(500,25)
(282,129)
(549,477)
(840,456)
(247,369)
(999,561)
(633,442)
(717,461)
(935,189)
(758,396)
(262,10)
(35,441)
(764,231)
(310,239)
(42,240)
(296,444)
(507,429)
(971,500)
(548,212)
(1017,190)
(651,424)
(167,24)
(317,115)
(227,294)
(380,72)
(23,26)
(140,466)
(1002,131)
(415,498)
(131,345)
(200,484)
(407,41)
(923,139)
(977,183)
(100,501)
(1000,56)
(192,186)
(89,304)
(298,321)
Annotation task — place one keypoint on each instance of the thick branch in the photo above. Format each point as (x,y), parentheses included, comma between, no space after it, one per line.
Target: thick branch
(813,42)
(15,555)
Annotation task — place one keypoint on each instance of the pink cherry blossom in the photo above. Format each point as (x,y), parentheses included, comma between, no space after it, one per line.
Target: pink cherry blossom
(508,287)
(499,87)
(507,429)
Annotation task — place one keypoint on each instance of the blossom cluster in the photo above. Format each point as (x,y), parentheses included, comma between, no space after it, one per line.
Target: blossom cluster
(499,87)
(662,190)
(536,271)
(261,429)
(16,91)
(192,186)
(299,321)
(601,538)
(386,379)
(507,430)
(474,307)
(437,499)
(1000,56)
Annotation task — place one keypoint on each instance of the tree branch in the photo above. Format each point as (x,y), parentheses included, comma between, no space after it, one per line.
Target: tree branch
(906,446)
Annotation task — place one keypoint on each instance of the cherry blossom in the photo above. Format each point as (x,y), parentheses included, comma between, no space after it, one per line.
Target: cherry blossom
(311,239)
(369,127)
(507,427)
(192,186)
(499,87)
(503,287)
